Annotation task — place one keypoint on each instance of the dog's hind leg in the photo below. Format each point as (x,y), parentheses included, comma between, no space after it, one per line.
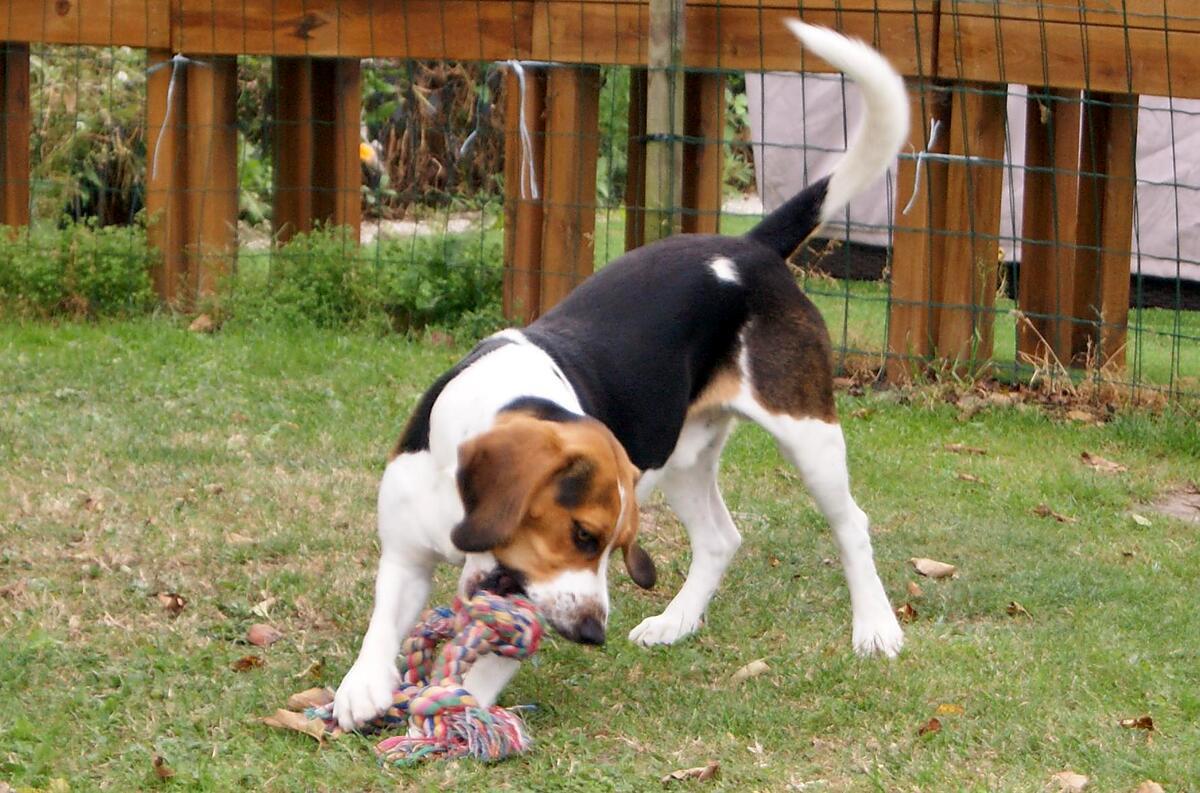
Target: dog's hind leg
(818,450)
(689,483)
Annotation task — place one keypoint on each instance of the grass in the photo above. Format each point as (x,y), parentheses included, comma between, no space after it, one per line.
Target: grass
(239,471)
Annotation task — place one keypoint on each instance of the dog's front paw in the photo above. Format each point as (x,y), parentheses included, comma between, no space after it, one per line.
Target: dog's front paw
(365,692)
(666,628)
(878,635)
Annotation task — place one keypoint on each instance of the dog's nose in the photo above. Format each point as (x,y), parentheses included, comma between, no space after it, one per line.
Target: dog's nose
(590,631)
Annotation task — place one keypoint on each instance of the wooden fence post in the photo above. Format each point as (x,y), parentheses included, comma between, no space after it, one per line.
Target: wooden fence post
(166,173)
(1104,227)
(572,147)
(14,134)
(317,173)
(1045,290)
(664,119)
(965,282)
(524,173)
(635,158)
(704,127)
(914,246)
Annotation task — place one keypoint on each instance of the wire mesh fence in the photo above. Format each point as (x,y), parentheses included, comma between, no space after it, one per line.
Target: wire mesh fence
(420,164)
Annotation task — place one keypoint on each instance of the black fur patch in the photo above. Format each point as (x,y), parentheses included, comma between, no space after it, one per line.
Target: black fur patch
(542,409)
(575,482)
(503,581)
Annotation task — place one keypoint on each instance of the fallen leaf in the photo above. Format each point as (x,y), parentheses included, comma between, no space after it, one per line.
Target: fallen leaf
(317,697)
(914,590)
(313,670)
(1149,786)
(1070,782)
(775,561)
(1015,609)
(949,709)
(202,324)
(13,590)
(261,635)
(969,478)
(931,568)
(1084,416)
(959,448)
(1129,554)
(290,720)
(247,662)
(1141,520)
(172,602)
(906,613)
(1140,723)
(1043,511)
(862,413)
(752,669)
(161,769)
(1102,465)
(933,725)
(700,773)
(263,608)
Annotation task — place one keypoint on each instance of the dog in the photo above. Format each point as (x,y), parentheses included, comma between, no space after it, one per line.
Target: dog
(525,462)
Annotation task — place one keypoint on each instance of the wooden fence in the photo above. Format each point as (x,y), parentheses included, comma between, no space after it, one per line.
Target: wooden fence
(1075,268)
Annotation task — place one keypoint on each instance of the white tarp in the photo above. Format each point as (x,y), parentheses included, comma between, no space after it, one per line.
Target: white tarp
(799,125)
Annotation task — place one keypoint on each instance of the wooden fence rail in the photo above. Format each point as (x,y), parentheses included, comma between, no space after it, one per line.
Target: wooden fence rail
(958,55)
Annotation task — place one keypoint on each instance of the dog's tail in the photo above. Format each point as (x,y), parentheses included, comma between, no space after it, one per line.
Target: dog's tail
(875,144)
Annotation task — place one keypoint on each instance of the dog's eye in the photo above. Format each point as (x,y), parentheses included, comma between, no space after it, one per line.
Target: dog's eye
(584,540)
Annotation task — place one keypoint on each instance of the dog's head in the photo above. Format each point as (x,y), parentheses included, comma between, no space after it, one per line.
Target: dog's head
(551,500)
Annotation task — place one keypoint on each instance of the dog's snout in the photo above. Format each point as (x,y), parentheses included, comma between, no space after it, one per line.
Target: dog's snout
(590,631)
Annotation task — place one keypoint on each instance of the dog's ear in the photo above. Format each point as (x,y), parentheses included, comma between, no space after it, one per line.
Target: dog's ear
(637,562)
(497,477)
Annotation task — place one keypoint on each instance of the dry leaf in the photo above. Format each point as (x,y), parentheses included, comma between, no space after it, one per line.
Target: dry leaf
(700,773)
(172,602)
(1081,415)
(1141,520)
(959,448)
(262,635)
(1149,786)
(1102,465)
(775,561)
(290,720)
(933,725)
(313,670)
(161,769)
(949,709)
(202,324)
(1043,511)
(310,698)
(1140,723)
(862,413)
(752,669)
(1070,782)
(969,478)
(1015,609)
(263,608)
(914,590)
(247,662)
(906,613)
(931,568)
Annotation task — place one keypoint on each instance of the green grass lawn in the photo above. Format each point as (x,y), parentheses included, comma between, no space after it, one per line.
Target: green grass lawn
(239,470)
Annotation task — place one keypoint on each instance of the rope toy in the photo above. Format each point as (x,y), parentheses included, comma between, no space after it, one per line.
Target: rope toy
(441,716)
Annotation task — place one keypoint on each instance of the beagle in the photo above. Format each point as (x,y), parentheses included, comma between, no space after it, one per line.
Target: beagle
(522,462)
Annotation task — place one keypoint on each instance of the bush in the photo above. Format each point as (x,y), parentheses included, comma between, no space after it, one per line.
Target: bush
(80,270)
(325,279)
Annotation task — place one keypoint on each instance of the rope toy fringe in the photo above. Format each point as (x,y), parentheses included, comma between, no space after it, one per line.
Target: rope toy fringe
(442,718)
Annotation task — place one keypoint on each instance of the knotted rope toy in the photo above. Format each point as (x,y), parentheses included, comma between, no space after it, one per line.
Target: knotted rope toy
(441,717)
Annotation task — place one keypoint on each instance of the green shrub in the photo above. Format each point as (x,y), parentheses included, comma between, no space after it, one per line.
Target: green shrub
(324,279)
(79,270)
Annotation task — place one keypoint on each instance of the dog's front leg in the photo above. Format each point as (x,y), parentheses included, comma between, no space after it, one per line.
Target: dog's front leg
(401,591)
